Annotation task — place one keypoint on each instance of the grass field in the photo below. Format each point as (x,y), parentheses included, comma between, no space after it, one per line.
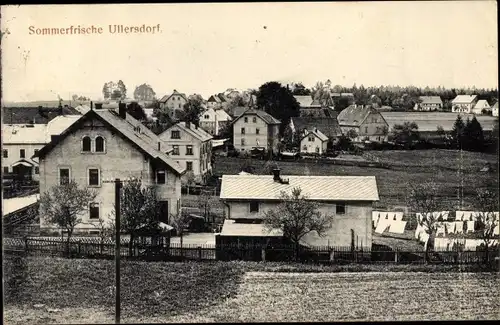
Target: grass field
(407,167)
(81,291)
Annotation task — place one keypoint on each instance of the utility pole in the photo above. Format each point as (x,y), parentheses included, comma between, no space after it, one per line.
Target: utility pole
(118,186)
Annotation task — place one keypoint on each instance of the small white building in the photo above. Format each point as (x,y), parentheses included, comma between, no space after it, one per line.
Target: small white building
(494,110)
(213,120)
(313,141)
(463,103)
(481,105)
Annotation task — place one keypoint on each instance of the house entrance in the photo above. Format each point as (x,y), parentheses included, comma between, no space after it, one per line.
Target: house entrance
(164,212)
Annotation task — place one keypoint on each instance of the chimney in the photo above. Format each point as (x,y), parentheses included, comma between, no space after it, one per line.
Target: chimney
(159,146)
(91,105)
(122,110)
(315,129)
(276,175)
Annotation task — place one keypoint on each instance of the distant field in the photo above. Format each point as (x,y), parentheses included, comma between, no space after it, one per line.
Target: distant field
(409,167)
(429,121)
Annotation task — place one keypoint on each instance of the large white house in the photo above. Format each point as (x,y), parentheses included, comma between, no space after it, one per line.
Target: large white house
(213,120)
(463,103)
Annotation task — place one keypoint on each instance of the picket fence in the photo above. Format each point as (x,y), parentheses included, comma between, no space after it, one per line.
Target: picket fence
(95,248)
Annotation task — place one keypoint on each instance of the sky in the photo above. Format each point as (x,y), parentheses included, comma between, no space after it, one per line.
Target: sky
(207,48)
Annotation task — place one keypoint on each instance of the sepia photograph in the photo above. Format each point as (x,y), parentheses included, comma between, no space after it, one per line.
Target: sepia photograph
(250,162)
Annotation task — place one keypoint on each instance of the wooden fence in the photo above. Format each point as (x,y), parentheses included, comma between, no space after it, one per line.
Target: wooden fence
(95,248)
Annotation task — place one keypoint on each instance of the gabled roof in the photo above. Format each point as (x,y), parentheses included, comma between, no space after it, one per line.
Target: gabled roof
(175,92)
(214,98)
(260,113)
(431,100)
(327,125)
(25,134)
(233,228)
(219,113)
(317,133)
(237,111)
(306,101)
(355,115)
(196,132)
(464,99)
(17,203)
(495,106)
(59,124)
(482,104)
(34,115)
(145,140)
(222,98)
(324,188)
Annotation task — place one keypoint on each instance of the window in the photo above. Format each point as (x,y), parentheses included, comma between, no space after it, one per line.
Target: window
(176,150)
(175,135)
(311,138)
(189,150)
(64,176)
(37,170)
(99,144)
(179,105)
(366,129)
(36,151)
(94,211)
(246,119)
(317,149)
(340,208)
(242,141)
(86,144)
(257,131)
(242,130)
(160,177)
(22,153)
(254,206)
(206,116)
(304,148)
(5,153)
(189,165)
(94,177)
(254,119)
(6,170)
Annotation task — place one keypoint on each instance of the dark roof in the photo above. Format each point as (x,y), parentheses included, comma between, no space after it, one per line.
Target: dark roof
(431,100)
(237,111)
(175,92)
(354,115)
(35,115)
(329,126)
(318,112)
(269,119)
(146,140)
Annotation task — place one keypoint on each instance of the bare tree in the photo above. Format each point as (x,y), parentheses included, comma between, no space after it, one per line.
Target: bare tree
(297,216)
(180,221)
(63,205)
(487,220)
(206,202)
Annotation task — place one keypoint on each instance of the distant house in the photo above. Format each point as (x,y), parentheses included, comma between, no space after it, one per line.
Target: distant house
(173,103)
(108,144)
(312,107)
(313,141)
(191,147)
(463,103)
(328,125)
(217,101)
(34,115)
(22,141)
(429,103)
(480,106)
(348,198)
(213,120)
(494,110)
(366,121)
(255,128)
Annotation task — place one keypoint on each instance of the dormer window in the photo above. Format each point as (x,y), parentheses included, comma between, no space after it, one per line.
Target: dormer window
(99,144)
(86,144)
(175,135)
(160,177)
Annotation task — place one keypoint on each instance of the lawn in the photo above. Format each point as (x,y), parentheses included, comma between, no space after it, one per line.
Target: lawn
(80,291)
(407,167)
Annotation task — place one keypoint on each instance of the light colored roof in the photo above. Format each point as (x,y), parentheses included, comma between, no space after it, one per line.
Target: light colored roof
(214,98)
(306,101)
(317,133)
(18,203)
(218,143)
(355,114)
(175,92)
(198,133)
(222,115)
(232,228)
(481,104)
(269,119)
(24,133)
(59,124)
(464,99)
(431,100)
(496,105)
(329,188)
(82,109)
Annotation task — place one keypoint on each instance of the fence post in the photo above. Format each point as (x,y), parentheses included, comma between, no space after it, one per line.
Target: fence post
(396,256)
(263,254)
(199,253)
(332,255)
(79,247)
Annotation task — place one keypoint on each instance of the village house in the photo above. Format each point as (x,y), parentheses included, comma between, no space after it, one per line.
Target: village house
(35,115)
(312,107)
(22,141)
(213,120)
(327,125)
(481,107)
(173,103)
(217,101)
(429,103)
(463,103)
(109,144)
(366,121)
(191,147)
(349,199)
(256,129)
(494,110)
(313,142)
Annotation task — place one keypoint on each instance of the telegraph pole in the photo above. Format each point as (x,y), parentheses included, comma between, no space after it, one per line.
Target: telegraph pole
(118,186)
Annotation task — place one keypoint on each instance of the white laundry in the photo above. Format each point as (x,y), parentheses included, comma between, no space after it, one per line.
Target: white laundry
(382,225)
(471,244)
(398,216)
(450,227)
(397,227)
(440,230)
(375,218)
(496,231)
(470,226)
(424,237)
(459,215)
(459,227)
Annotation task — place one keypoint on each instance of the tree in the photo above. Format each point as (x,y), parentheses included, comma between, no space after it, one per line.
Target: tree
(63,205)
(192,110)
(108,88)
(123,90)
(279,102)
(144,92)
(297,216)
(136,111)
(206,202)
(180,221)
(473,137)
(457,133)
(322,92)
(423,199)
(405,133)
(352,134)
(487,219)
(344,143)
(298,89)
(74,97)
(139,209)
